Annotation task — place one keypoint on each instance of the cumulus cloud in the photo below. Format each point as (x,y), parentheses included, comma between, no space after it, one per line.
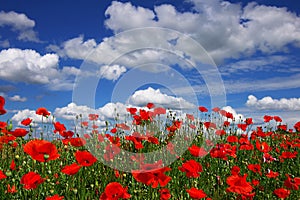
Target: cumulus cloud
(19,23)
(26,113)
(268,103)
(28,66)
(72,110)
(107,112)
(110,110)
(18,98)
(224,29)
(142,97)
(111,72)
(239,118)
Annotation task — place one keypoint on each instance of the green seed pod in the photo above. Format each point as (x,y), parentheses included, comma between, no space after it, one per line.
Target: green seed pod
(10,126)
(46,156)
(75,190)
(8,173)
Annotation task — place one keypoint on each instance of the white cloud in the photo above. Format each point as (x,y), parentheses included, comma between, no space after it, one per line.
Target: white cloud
(107,112)
(72,110)
(268,103)
(224,29)
(111,72)
(28,66)
(110,110)
(76,47)
(142,97)
(18,98)
(23,114)
(239,118)
(137,16)
(20,23)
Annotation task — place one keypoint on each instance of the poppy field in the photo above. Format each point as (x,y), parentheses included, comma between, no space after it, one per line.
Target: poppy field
(226,158)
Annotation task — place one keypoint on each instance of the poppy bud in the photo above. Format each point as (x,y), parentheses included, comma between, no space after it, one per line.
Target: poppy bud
(46,156)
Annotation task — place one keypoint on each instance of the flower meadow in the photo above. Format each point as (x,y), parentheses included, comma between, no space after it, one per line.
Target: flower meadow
(226,158)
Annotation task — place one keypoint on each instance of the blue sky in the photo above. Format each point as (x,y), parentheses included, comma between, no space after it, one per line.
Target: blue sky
(45,46)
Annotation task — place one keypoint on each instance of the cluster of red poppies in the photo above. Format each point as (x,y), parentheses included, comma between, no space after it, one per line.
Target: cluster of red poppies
(248,163)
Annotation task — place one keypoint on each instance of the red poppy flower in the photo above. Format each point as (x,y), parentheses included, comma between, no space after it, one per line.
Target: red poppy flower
(26,122)
(41,150)
(42,111)
(235,170)
(292,183)
(190,117)
(2,175)
(197,151)
(272,174)
(114,191)
(31,180)
(223,151)
(145,115)
(243,127)
(132,111)
(3,125)
(267,118)
(111,151)
(59,127)
(176,125)
(191,168)
(229,115)
(2,103)
(226,123)
(85,124)
(254,168)
(67,134)
(282,193)
(75,142)
(55,197)
(245,144)
(263,147)
(114,130)
(12,165)
(249,121)
(216,109)
(202,109)
(150,105)
(164,194)
(11,189)
(159,111)
(288,155)
(19,132)
(277,119)
(85,158)
(238,184)
(220,132)
(232,139)
(282,127)
(210,125)
(123,126)
(71,169)
(93,117)
(152,174)
(196,193)
(297,126)
(255,182)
